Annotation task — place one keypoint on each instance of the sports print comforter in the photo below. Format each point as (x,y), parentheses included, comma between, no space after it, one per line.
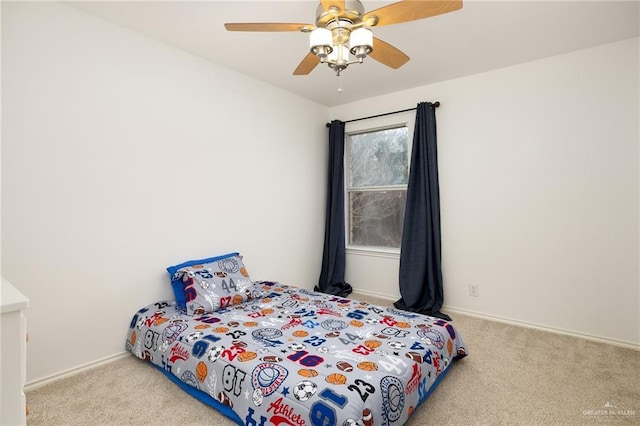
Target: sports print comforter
(294,357)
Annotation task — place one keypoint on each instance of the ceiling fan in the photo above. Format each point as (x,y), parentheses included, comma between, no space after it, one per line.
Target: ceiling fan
(342,23)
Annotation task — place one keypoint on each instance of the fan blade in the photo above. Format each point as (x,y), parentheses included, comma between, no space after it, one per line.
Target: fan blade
(410,10)
(307,65)
(257,26)
(387,54)
(338,4)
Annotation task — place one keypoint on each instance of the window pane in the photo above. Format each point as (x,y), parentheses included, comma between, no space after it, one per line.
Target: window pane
(378,158)
(376,217)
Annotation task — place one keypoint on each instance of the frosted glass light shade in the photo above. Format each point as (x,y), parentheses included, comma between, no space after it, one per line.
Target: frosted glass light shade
(361,37)
(320,37)
(340,54)
(361,42)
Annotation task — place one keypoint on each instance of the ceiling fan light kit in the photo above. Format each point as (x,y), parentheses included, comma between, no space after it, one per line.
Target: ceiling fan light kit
(342,23)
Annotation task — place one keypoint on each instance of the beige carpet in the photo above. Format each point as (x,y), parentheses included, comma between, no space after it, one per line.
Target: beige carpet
(513,376)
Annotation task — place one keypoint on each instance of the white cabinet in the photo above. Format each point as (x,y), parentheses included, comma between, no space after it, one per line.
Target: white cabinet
(13,355)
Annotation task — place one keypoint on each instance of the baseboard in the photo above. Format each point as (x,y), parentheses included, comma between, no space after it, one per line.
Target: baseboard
(73,371)
(598,339)
(374,294)
(450,309)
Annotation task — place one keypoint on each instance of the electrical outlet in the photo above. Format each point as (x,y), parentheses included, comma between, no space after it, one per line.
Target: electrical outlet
(474,290)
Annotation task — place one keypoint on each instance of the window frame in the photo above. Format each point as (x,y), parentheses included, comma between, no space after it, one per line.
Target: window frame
(404,119)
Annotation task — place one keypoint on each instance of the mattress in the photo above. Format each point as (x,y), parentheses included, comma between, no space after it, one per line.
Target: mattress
(296,357)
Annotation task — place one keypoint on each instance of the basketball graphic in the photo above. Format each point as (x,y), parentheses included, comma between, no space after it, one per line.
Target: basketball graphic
(271,358)
(244,272)
(344,366)
(403,324)
(392,392)
(201,371)
(300,333)
(266,333)
(268,377)
(202,326)
(336,379)
(247,356)
(356,323)
(134,337)
(267,311)
(449,346)
(368,366)
(160,321)
(432,337)
(307,372)
(229,265)
(334,325)
(249,323)
(233,323)
(372,344)
(220,329)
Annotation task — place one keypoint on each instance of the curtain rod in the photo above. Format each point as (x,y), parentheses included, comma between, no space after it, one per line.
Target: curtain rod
(436,104)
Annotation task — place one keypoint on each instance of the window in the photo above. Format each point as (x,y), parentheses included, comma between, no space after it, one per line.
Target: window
(377,165)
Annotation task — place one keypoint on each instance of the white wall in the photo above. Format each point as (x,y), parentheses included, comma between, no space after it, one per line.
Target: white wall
(121,156)
(539,181)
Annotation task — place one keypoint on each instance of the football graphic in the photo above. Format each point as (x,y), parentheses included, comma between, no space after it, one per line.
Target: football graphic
(344,366)
(222,397)
(414,356)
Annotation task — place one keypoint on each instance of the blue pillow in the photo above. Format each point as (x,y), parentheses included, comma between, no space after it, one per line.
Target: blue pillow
(176,279)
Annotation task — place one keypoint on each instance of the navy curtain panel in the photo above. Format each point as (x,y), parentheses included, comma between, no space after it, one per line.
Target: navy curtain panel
(420,273)
(333,257)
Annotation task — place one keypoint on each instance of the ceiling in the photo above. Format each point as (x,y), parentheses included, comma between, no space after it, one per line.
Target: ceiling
(482,36)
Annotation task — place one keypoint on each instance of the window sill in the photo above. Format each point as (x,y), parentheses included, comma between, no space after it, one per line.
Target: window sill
(387,253)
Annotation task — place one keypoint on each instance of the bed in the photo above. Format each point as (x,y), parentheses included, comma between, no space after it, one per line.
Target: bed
(268,353)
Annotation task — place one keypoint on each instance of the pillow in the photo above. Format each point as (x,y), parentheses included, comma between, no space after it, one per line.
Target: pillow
(207,285)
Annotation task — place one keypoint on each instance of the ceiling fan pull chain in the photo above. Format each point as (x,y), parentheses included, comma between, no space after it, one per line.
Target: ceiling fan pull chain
(339,83)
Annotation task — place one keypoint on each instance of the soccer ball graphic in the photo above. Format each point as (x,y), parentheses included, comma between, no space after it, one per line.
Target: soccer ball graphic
(304,390)
(214,353)
(257,397)
(192,337)
(397,345)
(297,346)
